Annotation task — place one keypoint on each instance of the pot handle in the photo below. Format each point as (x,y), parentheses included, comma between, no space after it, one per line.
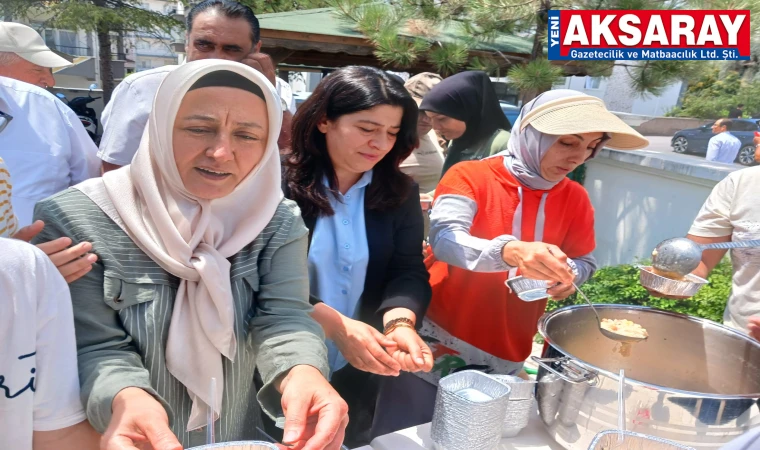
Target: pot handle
(567,369)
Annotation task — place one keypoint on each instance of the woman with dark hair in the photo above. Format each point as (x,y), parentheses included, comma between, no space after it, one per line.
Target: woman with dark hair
(366,271)
(466,112)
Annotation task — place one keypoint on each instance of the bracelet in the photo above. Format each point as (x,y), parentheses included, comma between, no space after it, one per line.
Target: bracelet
(396,323)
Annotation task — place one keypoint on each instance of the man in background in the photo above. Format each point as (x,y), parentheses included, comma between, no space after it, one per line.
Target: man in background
(216,29)
(724,146)
(736,113)
(45,147)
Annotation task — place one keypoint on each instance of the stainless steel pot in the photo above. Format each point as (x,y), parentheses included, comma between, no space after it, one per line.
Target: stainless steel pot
(693,381)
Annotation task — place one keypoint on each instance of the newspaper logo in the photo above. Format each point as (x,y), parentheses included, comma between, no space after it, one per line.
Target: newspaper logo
(649,35)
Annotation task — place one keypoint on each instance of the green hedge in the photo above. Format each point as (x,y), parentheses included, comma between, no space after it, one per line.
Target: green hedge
(620,285)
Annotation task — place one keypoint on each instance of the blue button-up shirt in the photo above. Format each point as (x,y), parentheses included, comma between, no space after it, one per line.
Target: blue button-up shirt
(338,257)
(723,147)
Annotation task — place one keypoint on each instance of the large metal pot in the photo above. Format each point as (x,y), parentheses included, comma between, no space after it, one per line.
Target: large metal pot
(693,381)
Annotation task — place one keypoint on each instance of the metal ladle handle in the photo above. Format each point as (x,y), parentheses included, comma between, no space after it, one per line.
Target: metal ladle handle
(730,245)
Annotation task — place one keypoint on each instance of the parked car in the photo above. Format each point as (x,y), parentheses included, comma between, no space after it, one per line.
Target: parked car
(694,140)
(511,111)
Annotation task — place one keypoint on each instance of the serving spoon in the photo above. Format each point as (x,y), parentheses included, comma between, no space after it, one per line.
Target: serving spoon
(678,257)
(607,333)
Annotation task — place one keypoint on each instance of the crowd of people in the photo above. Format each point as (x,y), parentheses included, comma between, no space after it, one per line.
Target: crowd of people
(215,235)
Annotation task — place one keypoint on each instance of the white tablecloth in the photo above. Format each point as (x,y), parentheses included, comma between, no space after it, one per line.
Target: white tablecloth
(533,437)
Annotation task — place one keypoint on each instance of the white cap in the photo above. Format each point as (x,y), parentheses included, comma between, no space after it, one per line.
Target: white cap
(28,44)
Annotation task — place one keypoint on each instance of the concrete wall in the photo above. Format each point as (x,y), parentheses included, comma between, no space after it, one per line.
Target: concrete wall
(642,198)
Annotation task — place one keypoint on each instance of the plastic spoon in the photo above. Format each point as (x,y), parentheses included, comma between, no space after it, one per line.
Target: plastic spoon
(621,407)
(212,400)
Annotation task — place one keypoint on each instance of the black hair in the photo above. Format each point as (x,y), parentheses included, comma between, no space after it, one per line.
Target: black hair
(232,10)
(349,90)
(740,105)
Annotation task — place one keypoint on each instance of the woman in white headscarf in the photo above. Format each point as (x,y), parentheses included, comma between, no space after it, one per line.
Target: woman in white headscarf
(201,275)
(514,213)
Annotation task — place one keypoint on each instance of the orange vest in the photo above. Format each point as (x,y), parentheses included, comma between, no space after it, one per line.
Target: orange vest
(478,307)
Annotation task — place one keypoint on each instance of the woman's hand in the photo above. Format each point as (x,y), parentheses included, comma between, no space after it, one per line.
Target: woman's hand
(561,291)
(753,327)
(538,261)
(72,262)
(315,415)
(360,344)
(410,352)
(139,421)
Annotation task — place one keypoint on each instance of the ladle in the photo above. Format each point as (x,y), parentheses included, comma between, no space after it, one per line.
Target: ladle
(607,333)
(678,257)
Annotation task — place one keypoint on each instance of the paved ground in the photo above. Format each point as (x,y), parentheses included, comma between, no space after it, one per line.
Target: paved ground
(661,144)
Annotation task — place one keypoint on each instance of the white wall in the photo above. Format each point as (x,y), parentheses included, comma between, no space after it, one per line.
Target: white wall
(619,96)
(660,105)
(641,199)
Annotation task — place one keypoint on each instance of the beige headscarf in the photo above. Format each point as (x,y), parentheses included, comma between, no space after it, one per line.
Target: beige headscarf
(189,237)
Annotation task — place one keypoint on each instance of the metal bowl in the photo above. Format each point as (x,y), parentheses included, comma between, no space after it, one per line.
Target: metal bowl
(240,445)
(668,286)
(610,440)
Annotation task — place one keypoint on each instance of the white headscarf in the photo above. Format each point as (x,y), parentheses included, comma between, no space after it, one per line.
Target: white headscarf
(527,146)
(189,237)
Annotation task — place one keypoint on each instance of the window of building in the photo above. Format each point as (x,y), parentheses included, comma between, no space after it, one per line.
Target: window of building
(592,82)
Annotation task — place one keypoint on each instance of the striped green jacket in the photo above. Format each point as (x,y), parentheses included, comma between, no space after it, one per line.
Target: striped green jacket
(123,308)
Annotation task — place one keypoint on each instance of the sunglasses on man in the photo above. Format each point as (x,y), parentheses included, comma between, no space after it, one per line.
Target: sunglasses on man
(5,119)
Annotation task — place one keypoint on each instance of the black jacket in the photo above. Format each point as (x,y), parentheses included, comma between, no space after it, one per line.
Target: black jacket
(396,273)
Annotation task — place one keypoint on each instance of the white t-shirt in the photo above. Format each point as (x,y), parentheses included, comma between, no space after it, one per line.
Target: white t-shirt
(39,382)
(45,146)
(126,115)
(733,209)
(286,94)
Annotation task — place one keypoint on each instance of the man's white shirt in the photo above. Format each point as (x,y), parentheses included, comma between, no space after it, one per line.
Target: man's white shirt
(45,146)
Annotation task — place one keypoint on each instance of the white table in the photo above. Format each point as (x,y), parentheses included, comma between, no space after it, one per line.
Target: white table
(533,437)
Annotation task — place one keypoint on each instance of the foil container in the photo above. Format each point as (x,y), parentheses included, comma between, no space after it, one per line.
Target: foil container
(521,404)
(469,412)
(688,287)
(241,445)
(529,290)
(610,440)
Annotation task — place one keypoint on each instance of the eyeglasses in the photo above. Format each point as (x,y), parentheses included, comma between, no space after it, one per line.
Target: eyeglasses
(5,119)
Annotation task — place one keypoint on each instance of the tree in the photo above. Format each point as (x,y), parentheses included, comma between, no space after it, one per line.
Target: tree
(275,6)
(103,17)
(404,31)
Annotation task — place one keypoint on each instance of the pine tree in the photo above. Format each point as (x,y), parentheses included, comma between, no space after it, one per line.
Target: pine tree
(405,31)
(100,16)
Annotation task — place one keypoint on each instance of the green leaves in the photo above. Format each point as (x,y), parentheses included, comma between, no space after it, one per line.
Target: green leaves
(620,285)
(448,58)
(535,76)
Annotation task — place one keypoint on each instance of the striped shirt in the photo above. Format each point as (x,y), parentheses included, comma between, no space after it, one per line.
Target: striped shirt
(123,308)
(8,222)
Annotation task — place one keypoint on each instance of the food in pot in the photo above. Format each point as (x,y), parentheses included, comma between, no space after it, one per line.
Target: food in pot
(625,327)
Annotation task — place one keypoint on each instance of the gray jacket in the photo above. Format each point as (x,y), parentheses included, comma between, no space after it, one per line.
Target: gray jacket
(123,307)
